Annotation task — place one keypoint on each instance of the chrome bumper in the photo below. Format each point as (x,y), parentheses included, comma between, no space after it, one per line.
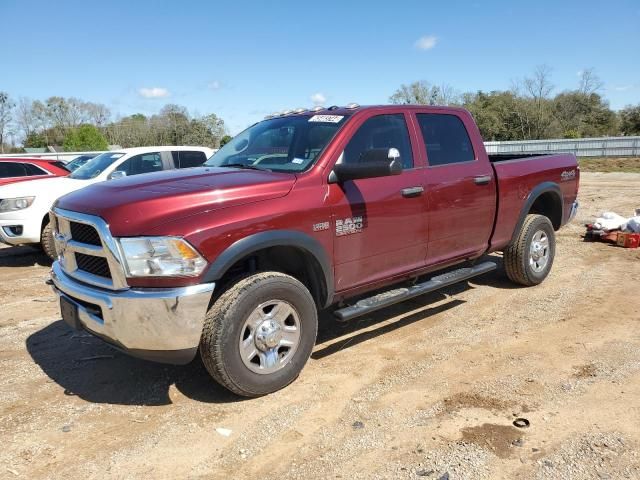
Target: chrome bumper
(161,324)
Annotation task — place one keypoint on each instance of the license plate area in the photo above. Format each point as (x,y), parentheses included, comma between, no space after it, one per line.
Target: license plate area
(69,311)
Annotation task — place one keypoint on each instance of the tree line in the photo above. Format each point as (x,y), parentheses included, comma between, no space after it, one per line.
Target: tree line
(79,125)
(530,111)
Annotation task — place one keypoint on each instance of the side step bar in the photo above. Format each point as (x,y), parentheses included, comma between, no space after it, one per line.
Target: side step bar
(385,299)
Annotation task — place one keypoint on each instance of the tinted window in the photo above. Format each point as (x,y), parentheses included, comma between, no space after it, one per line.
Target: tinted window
(145,163)
(95,166)
(382,131)
(188,159)
(32,170)
(446,139)
(10,169)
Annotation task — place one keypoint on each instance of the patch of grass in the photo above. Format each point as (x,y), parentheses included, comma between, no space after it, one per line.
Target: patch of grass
(610,164)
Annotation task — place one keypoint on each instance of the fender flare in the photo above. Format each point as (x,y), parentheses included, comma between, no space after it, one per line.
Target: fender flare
(533,196)
(273,238)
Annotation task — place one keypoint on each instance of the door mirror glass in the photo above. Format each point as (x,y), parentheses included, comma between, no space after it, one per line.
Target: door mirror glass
(117,174)
(376,162)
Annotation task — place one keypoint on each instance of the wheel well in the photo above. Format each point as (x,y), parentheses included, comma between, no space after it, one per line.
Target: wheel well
(294,261)
(45,221)
(549,205)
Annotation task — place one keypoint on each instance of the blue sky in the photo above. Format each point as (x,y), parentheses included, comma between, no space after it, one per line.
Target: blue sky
(243,60)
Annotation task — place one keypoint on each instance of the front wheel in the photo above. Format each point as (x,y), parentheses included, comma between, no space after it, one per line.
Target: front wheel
(528,260)
(259,334)
(46,241)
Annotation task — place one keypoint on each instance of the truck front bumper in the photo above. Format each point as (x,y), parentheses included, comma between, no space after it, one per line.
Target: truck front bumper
(159,324)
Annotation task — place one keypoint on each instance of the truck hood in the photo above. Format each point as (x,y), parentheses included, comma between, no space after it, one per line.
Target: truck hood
(135,205)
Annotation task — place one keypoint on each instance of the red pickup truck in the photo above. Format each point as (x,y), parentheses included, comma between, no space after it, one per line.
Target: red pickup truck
(343,208)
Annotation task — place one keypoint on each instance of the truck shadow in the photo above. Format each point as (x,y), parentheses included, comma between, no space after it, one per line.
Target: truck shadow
(23,256)
(86,367)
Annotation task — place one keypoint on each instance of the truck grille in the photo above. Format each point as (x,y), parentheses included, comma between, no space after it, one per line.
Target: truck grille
(83,233)
(86,250)
(94,265)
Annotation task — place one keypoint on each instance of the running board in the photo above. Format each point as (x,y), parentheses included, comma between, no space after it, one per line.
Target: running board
(385,299)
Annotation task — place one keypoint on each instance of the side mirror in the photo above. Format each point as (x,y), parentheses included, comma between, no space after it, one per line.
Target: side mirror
(377,162)
(117,174)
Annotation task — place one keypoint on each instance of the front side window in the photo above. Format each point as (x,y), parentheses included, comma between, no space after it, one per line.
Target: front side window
(138,164)
(381,131)
(446,139)
(95,166)
(33,170)
(283,144)
(11,169)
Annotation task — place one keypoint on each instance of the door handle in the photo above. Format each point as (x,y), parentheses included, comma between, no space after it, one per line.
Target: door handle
(412,192)
(482,179)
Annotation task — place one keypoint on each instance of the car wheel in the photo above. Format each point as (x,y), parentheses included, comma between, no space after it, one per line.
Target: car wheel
(528,260)
(47,243)
(259,334)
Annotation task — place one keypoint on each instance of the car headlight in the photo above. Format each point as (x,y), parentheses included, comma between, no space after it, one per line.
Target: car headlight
(161,257)
(13,204)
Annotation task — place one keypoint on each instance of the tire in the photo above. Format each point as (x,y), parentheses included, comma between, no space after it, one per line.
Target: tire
(523,260)
(256,313)
(47,243)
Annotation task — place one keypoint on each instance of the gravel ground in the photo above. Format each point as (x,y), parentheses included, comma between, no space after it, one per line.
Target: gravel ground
(427,389)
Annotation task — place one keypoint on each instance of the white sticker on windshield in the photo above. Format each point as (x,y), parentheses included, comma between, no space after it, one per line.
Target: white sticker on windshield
(297,160)
(327,118)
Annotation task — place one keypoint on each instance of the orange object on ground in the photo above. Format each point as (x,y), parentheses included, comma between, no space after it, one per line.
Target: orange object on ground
(628,240)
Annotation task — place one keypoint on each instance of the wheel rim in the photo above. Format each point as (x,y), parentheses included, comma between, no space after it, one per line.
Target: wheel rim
(539,251)
(270,337)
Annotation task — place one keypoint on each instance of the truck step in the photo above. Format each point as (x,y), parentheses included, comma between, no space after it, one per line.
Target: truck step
(385,299)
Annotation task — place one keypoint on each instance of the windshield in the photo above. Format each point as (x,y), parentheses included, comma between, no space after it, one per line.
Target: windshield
(95,166)
(78,162)
(283,144)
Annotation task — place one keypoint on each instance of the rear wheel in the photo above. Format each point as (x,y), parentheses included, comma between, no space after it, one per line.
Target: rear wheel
(46,240)
(259,334)
(528,260)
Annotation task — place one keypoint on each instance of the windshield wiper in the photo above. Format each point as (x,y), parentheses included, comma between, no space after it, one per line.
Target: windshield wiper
(247,167)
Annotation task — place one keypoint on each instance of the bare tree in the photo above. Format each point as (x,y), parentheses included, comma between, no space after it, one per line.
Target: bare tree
(424,93)
(6,110)
(97,113)
(590,82)
(538,88)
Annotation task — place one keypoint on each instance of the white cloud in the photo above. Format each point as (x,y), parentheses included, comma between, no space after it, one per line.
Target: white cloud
(318,98)
(154,92)
(215,85)
(426,43)
(623,88)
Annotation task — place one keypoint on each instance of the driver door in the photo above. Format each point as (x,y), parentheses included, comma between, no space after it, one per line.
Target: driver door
(379,223)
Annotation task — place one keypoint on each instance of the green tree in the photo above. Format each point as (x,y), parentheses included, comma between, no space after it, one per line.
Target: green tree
(85,137)
(35,140)
(630,120)
(424,93)
(579,114)
(224,140)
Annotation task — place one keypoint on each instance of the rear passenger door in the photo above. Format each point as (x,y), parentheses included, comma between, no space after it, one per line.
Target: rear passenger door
(461,190)
(188,158)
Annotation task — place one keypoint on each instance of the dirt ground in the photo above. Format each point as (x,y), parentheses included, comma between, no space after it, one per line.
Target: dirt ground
(427,389)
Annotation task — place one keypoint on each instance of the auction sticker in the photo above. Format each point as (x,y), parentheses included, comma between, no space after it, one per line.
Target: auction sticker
(327,118)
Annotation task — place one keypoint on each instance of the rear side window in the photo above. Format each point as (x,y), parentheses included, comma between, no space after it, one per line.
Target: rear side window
(11,169)
(446,139)
(381,131)
(32,170)
(187,159)
(145,163)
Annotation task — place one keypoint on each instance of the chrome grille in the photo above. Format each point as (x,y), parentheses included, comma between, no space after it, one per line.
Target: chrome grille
(86,250)
(95,265)
(83,233)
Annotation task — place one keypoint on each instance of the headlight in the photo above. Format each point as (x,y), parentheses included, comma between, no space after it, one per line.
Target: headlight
(161,257)
(13,204)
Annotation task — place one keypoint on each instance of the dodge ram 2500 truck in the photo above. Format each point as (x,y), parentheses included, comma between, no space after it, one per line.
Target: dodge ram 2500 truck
(343,208)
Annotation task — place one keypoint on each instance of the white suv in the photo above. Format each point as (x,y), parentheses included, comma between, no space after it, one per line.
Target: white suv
(24,206)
